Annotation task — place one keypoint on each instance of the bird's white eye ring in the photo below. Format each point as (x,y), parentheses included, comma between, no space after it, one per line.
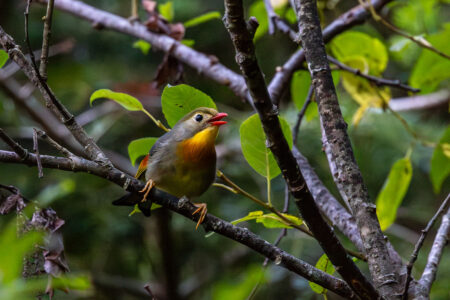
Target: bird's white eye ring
(198,117)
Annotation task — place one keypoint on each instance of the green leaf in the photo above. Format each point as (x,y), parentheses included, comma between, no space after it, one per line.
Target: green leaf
(440,162)
(13,248)
(351,44)
(153,207)
(393,192)
(143,46)
(202,19)
(188,42)
(178,100)
(253,143)
(127,101)
(431,69)
(323,264)
(80,282)
(140,147)
(166,10)
(269,220)
(273,221)
(258,10)
(3,57)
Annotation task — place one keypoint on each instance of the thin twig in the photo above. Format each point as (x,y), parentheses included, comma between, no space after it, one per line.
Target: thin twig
(419,41)
(149,291)
(46,39)
(54,144)
(444,206)
(16,147)
(429,273)
(377,80)
(27,36)
(92,149)
(238,190)
(36,151)
(302,113)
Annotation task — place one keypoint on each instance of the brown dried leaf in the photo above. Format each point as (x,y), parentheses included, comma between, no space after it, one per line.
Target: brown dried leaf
(14,201)
(169,71)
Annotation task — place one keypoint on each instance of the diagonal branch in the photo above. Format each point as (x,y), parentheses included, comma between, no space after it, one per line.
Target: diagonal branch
(16,147)
(347,174)
(429,274)
(242,37)
(14,52)
(211,223)
(377,80)
(444,206)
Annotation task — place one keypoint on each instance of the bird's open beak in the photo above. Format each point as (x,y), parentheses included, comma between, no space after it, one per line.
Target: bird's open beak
(216,120)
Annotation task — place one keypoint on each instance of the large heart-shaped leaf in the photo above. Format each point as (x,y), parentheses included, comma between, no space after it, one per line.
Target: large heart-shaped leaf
(253,143)
(178,100)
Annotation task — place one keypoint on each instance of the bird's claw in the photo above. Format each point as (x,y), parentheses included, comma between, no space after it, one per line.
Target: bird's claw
(201,208)
(147,188)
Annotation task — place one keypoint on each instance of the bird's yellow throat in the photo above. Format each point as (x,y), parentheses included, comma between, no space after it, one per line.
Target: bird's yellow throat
(200,147)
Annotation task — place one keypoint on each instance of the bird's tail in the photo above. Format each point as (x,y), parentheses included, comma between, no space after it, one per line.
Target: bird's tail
(131,199)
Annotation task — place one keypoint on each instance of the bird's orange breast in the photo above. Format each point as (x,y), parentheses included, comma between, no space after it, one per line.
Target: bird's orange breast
(200,147)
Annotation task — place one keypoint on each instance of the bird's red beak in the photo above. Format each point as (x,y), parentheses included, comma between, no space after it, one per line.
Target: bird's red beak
(216,120)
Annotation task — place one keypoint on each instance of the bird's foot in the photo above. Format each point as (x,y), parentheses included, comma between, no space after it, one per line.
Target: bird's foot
(202,210)
(147,188)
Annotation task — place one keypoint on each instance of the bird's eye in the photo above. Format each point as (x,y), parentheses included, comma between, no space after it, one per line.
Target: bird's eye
(198,117)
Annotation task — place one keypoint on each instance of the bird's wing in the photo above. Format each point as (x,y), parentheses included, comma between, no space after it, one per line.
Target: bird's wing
(142,166)
(160,144)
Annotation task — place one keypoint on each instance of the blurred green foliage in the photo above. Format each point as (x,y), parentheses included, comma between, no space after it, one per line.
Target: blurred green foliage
(122,253)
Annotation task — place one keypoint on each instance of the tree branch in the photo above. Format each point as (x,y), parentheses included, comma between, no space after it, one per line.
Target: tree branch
(16,147)
(347,176)
(420,102)
(203,63)
(92,150)
(423,286)
(46,39)
(211,223)
(377,80)
(240,33)
(444,206)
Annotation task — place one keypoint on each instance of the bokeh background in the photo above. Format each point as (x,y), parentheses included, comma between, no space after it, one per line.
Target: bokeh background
(120,253)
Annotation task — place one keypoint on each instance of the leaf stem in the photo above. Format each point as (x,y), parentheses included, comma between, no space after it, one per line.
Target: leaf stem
(157,122)
(269,201)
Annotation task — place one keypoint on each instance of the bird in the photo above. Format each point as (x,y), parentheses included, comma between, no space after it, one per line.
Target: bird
(182,162)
